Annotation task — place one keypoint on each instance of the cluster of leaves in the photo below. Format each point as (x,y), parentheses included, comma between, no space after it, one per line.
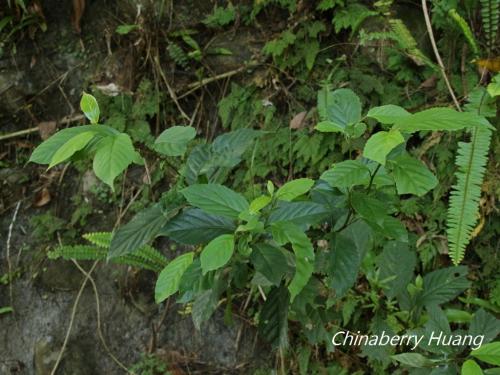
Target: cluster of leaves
(303,244)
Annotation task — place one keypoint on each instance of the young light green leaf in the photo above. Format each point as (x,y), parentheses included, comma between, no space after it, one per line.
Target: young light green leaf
(388,114)
(90,108)
(217,253)
(346,174)
(169,279)
(329,127)
(259,203)
(216,199)
(44,153)
(494,87)
(412,176)
(294,189)
(174,140)
(114,154)
(73,145)
(489,353)
(470,367)
(380,144)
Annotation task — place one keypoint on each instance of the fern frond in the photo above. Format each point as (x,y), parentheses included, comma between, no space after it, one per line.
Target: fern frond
(464,200)
(101,239)
(469,36)
(178,55)
(78,252)
(408,43)
(490,15)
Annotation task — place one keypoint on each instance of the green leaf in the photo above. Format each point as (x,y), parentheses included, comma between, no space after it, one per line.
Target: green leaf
(216,199)
(443,285)
(259,203)
(170,277)
(346,174)
(6,309)
(470,367)
(204,306)
(439,119)
(44,153)
(174,140)
(125,29)
(90,108)
(73,145)
(412,176)
(368,208)
(485,324)
(299,212)
(273,321)
(142,229)
(489,353)
(329,127)
(340,107)
(303,271)
(396,264)
(194,226)
(388,114)
(269,261)
(346,254)
(380,144)
(114,154)
(217,253)
(494,87)
(294,189)
(413,360)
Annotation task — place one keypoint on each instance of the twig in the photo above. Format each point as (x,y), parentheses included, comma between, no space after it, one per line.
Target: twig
(9,264)
(438,56)
(192,87)
(72,319)
(64,120)
(98,311)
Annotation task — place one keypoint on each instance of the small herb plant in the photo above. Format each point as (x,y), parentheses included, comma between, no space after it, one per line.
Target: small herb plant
(301,244)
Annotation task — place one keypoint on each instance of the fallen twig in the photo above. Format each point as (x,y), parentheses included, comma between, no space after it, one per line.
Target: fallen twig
(9,264)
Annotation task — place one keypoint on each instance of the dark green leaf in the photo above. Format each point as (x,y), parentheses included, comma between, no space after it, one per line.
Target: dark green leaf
(273,324)
(346,174)
(443,285)
(194,226)
(269,261)
(484,323)
(396,263)
(299,212)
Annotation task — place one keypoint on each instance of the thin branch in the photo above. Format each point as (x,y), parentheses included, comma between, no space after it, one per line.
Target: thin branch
(438,56)
(9,264)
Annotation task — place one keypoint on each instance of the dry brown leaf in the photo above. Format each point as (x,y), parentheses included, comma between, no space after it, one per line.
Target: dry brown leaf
(297,121)
(46,129)
(493,64)
(42,198)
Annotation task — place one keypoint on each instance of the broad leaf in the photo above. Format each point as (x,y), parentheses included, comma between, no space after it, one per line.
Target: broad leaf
(294,189)
(443,285)
(413,360)
(380,144)
(470,367)
(303,271)
(44,153)
(90,108)
(369,208)
(489,353)
(484,324)
(299,213)
(388,114)
(273,320)
(217,253)
(346,254)
(329,127)
(439,119)
(194,226)
(259,203)
(170,277)
(73,145)
(269,261)
(412,176)
(346,174)
(216,199)
(396,265)
(174,140)
(143,228)
(340,107)
(113,156)
(203,308)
